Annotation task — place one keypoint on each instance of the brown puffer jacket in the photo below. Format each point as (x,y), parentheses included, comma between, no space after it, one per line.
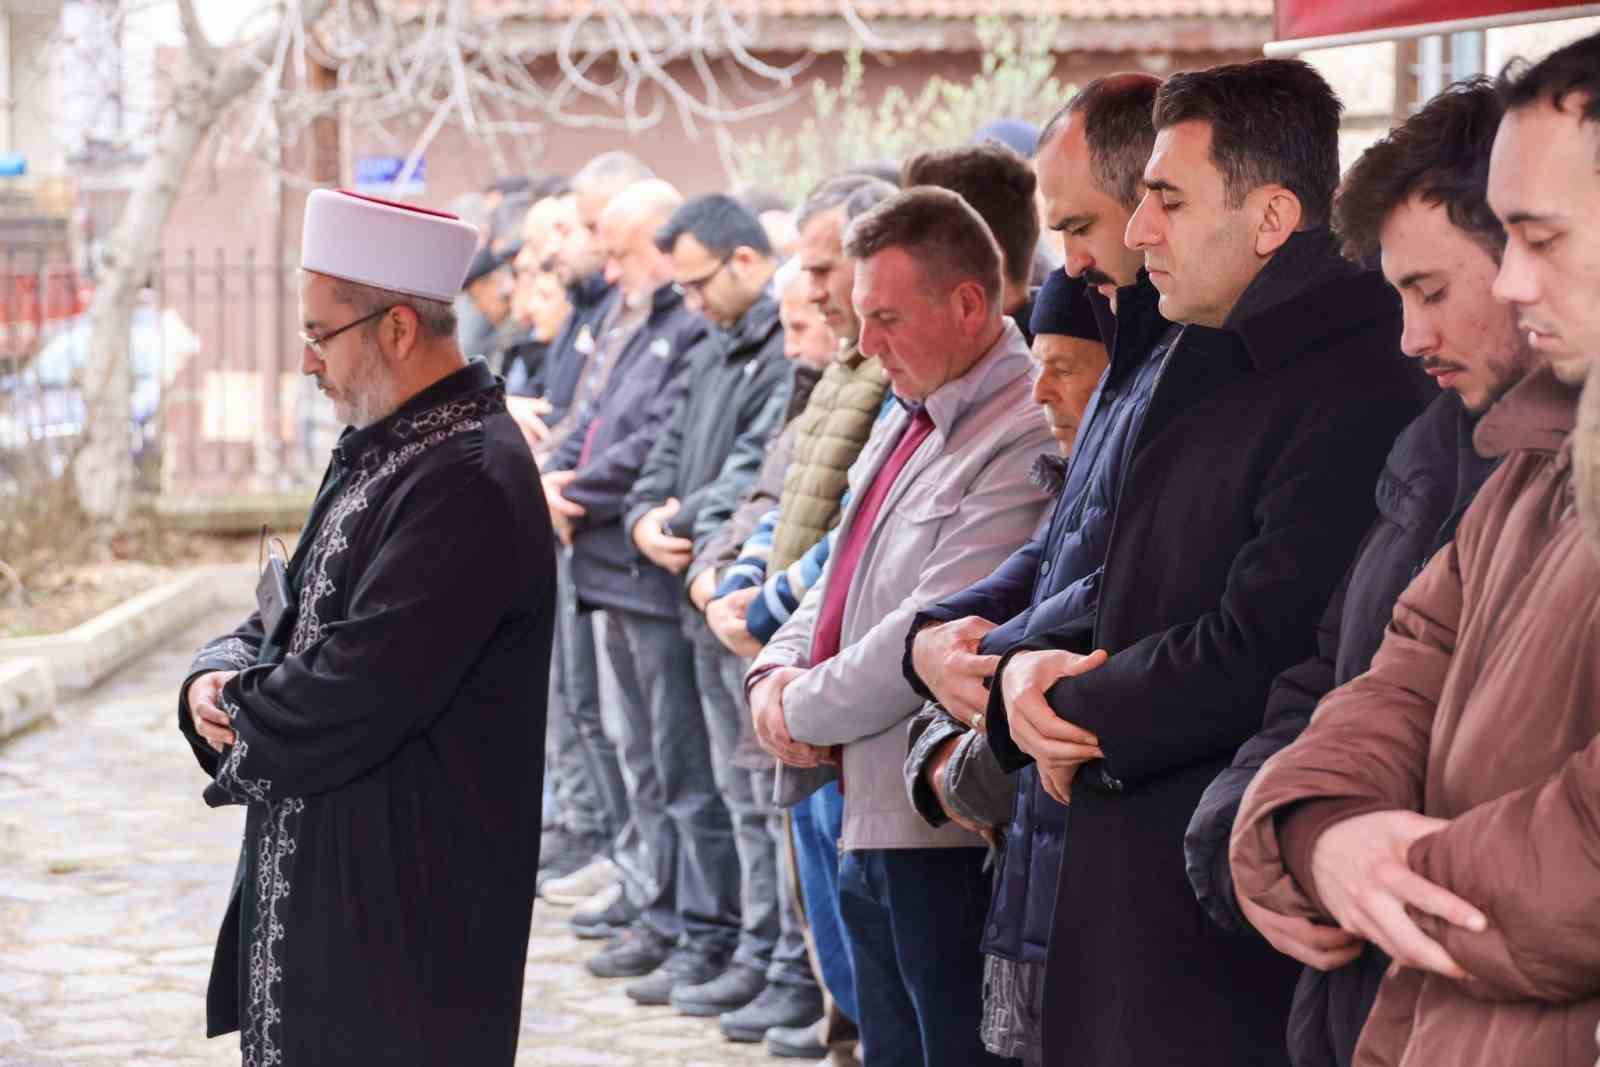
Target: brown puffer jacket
(828,437)
(1481,707)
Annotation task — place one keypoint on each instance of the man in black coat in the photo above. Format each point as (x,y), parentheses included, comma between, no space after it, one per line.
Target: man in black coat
(697,472)
(1247,490)
(1417,198)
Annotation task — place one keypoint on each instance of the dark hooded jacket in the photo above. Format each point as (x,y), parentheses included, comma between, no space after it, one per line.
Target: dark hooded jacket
(1249,487)
(612,442)
(711,450)
(562,368)
(1430,477)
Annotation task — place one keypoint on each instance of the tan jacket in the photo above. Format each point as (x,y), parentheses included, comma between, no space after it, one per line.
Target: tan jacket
(961,505)
(1481,707)
(829,435)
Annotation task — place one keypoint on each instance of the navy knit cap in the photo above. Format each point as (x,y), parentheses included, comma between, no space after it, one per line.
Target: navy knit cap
(1062,306)
(1019,136)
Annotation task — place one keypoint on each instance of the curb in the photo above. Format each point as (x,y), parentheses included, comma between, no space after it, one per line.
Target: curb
(34,670)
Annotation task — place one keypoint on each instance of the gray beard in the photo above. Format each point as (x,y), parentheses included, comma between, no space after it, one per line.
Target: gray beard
(371,391)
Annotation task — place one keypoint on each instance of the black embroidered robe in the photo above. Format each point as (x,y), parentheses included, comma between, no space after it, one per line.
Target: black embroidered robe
(390,758)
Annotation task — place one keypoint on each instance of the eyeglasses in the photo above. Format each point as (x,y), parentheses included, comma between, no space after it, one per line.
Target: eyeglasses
(316,343)
(697,286)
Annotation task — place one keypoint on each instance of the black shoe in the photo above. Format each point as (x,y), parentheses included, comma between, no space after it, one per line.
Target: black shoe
(794,1042)
(683,968)
(590,925)
(728,991)
(778,1006)
(632,953)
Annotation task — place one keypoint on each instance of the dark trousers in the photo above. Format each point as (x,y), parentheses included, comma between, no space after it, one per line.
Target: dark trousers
(914,918)
(682,822)
(589,793)
(770,937)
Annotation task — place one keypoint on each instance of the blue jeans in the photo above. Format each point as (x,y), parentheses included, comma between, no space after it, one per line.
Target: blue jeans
(817,821)
(914,918)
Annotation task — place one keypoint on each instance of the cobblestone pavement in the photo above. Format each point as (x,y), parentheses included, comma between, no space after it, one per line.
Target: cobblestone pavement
(114,875)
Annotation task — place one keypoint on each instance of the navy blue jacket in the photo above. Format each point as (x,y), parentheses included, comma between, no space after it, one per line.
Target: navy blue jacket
(558,375)
(1051,585)
(1430,477)
(608,449)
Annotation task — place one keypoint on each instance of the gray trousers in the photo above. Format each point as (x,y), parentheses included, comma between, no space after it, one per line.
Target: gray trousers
(588,792)
(771,938)
(692,894)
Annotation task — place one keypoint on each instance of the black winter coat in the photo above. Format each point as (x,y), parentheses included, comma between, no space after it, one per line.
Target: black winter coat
(1248,491)
(558,375)
(1430,477)
(612,442)
(739,388)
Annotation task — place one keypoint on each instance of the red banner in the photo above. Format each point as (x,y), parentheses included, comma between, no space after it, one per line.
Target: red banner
(1320,18)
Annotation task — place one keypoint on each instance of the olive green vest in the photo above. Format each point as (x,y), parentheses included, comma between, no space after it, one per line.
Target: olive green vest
(829,435)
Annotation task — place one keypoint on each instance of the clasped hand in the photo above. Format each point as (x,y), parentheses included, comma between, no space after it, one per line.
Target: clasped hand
(1057,746)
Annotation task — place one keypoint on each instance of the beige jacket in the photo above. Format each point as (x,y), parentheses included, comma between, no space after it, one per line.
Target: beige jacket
(961,505)
(1481,707)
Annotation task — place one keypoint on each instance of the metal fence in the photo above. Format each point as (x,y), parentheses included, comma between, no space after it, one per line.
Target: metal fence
(219,406)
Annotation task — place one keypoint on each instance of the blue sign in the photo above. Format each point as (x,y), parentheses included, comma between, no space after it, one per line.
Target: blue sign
(376,176)
(13,164)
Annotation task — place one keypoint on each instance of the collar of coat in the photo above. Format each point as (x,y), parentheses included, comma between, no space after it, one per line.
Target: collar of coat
(1304,298)
(1536,415)
(1005,361)
(752,330)
(589,290)
(470,391)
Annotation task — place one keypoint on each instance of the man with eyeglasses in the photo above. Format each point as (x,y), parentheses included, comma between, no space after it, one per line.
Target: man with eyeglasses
(381,717)
(694,480)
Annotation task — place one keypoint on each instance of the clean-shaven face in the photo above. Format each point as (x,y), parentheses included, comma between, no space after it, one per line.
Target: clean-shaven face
(1544,184)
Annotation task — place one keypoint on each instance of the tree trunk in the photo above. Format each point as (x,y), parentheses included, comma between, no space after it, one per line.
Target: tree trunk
(213,79)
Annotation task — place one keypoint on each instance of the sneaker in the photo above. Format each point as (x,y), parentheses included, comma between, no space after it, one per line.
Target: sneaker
(684,967)
(562,852)
(582,884)
(636,951)
(796,1042)
(779,1007)
(606,914)
(728,991)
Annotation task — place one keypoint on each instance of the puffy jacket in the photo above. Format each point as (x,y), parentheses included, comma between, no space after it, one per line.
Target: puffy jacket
(1430,477)
(1050,585)
(608,449)
(1482,708)
(832,430)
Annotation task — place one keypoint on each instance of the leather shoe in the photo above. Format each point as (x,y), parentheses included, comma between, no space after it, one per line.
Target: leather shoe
(607,914)
(795,1042)
(728,991)
(634,952)
(682,967)
(778,1007)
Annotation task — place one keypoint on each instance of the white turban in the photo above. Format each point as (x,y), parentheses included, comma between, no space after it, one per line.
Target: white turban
(387,245)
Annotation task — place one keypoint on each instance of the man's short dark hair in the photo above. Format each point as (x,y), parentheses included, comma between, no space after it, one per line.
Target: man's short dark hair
(719,222)
(1573,70)
(949,241)
(1118,130)
(1273,122)
(509,185)
(999,186)
(1440,154)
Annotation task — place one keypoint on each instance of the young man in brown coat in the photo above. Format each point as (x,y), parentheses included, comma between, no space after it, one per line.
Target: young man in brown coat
(1444,804)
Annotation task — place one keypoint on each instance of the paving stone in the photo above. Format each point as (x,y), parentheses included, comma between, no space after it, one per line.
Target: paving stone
(104,962)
